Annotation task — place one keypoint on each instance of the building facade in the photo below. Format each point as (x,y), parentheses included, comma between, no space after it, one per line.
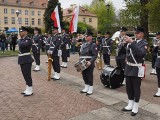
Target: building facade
(30,13)
(84,16)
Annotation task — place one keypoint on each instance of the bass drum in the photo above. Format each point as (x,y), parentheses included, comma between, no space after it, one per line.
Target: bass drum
(112,77)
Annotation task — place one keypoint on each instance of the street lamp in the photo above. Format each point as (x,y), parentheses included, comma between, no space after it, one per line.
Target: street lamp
(17,13)
(108,7)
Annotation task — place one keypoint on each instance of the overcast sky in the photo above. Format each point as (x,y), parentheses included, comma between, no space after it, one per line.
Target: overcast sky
(118,4)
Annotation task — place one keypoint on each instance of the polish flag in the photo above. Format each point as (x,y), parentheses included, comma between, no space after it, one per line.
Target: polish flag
(74,21)
(55,18)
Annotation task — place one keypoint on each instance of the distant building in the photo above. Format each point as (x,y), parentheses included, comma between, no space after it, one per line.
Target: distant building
(31,13)
(84,16)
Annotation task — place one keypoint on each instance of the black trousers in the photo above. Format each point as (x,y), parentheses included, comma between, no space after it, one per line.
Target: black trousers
(153,61)
(121,63)
(133,85)
(87,75)
(26,71)
(64,55)
(14,46)
(68,53)
(158,76)
(36,57)
(106,59)
(56,64)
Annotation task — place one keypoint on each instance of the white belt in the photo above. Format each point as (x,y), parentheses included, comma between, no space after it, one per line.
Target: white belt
(51,47)
(35,44)
(133,64)
(106,46)
(47,44)
(85,57)
(158,56)
(23,54)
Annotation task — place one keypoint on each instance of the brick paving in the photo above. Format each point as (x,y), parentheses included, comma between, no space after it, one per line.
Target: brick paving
(51,100)
(148,88)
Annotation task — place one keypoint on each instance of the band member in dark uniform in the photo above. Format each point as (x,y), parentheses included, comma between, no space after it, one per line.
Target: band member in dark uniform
(13,41)
(54,50)
(25,60)
(89,52)
(47,44)
(136,51)
(99,41)
(106,48)
(36,47)
(64,48)
(121,50)
(157,65)
(154,52)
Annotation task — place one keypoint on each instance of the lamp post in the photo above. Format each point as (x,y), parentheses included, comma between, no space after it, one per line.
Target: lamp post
(108,7)
(17,13)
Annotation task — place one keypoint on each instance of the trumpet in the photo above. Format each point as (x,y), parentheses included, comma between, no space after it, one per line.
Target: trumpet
(99,62)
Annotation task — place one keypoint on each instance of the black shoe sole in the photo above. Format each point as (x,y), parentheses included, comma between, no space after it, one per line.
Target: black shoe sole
(25,95)
(88,94)
(82,92)
(156,96)
(125,110)
(36,70)
(133,114)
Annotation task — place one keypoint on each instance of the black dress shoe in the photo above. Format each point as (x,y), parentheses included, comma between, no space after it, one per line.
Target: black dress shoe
(22,93)
(125,110)
(54,79)
(133,114)
(89,94)
(156,96)
(64,67)
(82,91)
(25,95)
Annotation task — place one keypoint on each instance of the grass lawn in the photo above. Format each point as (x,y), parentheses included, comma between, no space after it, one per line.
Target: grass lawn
(9,53)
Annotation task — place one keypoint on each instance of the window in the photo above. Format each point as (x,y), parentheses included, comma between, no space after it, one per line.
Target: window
(5,20)
(32,21)
(26,21)
(5,10)
(20,11)
(13,20)
(32,13)
(39,13)
(90,19)
(26,12)
(4,1)
(12,11)
(84,19)
(18,2)
(20,20)
(39,21)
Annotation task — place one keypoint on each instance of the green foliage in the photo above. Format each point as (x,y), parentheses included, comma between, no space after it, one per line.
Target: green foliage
(106,17)
(47,15)
(82,27)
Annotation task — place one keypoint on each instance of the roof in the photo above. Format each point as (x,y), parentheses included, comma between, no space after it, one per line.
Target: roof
(36,3)
(82,11)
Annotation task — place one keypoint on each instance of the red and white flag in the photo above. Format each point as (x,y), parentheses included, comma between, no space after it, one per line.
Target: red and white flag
(74,21)
(55,18)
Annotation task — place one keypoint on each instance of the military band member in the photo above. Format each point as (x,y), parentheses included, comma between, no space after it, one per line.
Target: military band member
(89,52)
(65,48)
(99,41)
(47,44)
(36,47)
(157,65)
(106,48)
(121,50)
(25,60)
(54,52)
(154,52)
(136,51)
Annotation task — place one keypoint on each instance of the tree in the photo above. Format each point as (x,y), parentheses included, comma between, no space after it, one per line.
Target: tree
(136,14)
(106,17)
(47,15)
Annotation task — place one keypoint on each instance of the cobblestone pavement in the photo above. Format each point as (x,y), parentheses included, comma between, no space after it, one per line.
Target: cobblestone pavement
(51,100)
(61,100)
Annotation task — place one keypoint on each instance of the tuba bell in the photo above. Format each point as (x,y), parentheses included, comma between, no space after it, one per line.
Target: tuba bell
(99,62)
